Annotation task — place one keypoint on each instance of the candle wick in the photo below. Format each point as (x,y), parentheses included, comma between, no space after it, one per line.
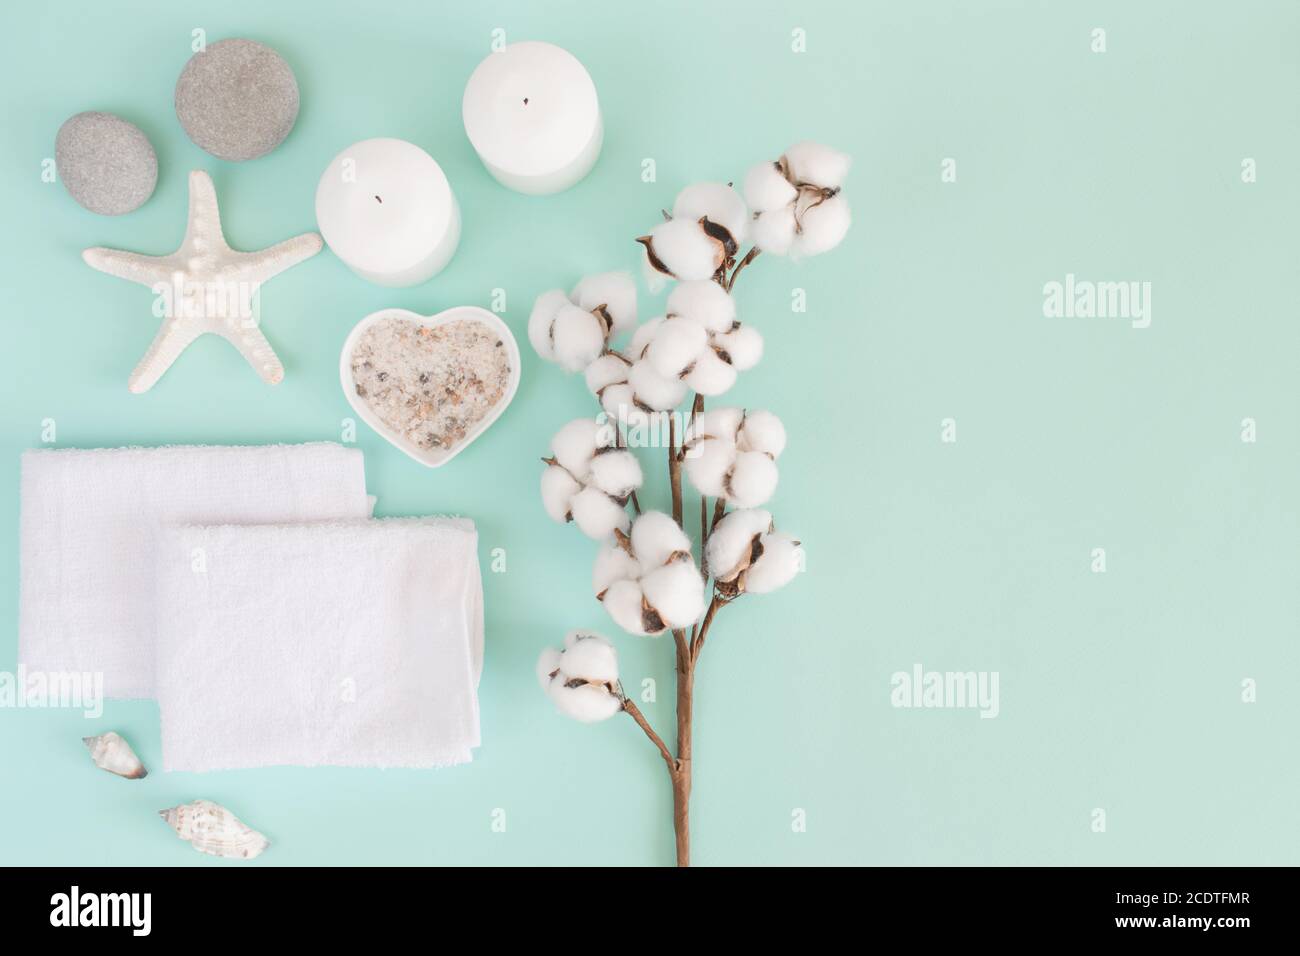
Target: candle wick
(378,200)
(525,101)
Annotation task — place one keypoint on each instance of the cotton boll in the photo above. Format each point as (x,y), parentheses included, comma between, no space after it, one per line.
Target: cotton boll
(776,566)
(596,514)
(762,431)
(578,338)
(752,480)
(766,188)
(718,202)
(545,308)
(676,591)
(609,369)
(824,226)
(675,346)
(547,664)
(613,563)
(710,375)
(704,301)
(617,473)
(655,537)
(817,164)
(773,231)
(623,602)
(574,444)
(587,703)
(653,389)
(722,422)
(685,250)
(731,539)
(643,336)
(590,656)
(558,489)
(707,463)
(743,345)
(618,405)
(616,291)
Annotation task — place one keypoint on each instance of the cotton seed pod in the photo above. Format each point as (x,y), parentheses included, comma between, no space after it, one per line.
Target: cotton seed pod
(613,293)
(626,604)
(683,249)
(766,188)
(596,514)
(613,563)
(710,374)
(721,422)
(776,565)
(676,592)
(761,431)
(823,224)
(656,539)
(729,550)
(676,345)
(773,230)
(818,165)
(719,204)
(707,464)
(656,585)
(752,479)
(610,369)
(573,330)
(545,307)
(653,390)
(582,679)
(743,346)
(727,457)
(704,301)
(587,480)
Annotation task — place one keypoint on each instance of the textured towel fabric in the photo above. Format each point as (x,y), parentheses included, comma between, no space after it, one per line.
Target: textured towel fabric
(355,644)
(88,537)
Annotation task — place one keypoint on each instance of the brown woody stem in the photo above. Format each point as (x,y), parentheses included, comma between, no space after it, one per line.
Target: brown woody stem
(750,256)
(635,713)
(674,469)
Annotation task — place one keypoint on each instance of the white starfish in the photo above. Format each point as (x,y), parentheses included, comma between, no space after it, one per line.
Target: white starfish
(205,286)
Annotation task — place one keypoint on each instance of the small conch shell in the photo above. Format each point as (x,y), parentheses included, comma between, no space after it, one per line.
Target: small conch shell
(110,752)
(211,828)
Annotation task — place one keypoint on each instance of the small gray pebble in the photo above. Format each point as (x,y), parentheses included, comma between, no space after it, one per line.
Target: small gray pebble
(237,99)
(106,163)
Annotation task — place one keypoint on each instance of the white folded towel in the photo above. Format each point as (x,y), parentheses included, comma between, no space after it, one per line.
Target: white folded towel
(354,644)
(88,525)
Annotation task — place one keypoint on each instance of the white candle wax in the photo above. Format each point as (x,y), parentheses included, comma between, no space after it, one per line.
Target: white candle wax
(532,115)
(386,209)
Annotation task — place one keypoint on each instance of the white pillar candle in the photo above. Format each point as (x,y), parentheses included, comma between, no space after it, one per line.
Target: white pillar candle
(386,209)
(532,115)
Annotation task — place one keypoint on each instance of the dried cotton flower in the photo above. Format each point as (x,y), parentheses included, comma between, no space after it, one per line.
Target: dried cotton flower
(572,330)
(732,454)
(648,581)
(746,555)
(798,207)
(582,679)
(587,480)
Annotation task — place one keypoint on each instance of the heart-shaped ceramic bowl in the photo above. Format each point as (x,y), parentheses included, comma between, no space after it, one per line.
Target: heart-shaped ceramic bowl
(430,458)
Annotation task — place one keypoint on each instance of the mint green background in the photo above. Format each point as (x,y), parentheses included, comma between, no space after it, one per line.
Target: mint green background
(1119,691)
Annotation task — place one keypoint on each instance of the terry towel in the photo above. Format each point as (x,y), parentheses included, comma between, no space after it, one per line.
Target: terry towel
(88,526)
(355,644)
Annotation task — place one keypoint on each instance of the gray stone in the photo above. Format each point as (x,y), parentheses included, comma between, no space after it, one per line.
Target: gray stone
(237,99)
(106,163)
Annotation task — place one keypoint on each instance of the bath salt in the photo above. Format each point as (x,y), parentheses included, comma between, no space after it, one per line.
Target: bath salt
(431,385)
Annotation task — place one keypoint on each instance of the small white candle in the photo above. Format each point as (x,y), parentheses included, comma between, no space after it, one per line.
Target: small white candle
(386,209)
(532,115)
